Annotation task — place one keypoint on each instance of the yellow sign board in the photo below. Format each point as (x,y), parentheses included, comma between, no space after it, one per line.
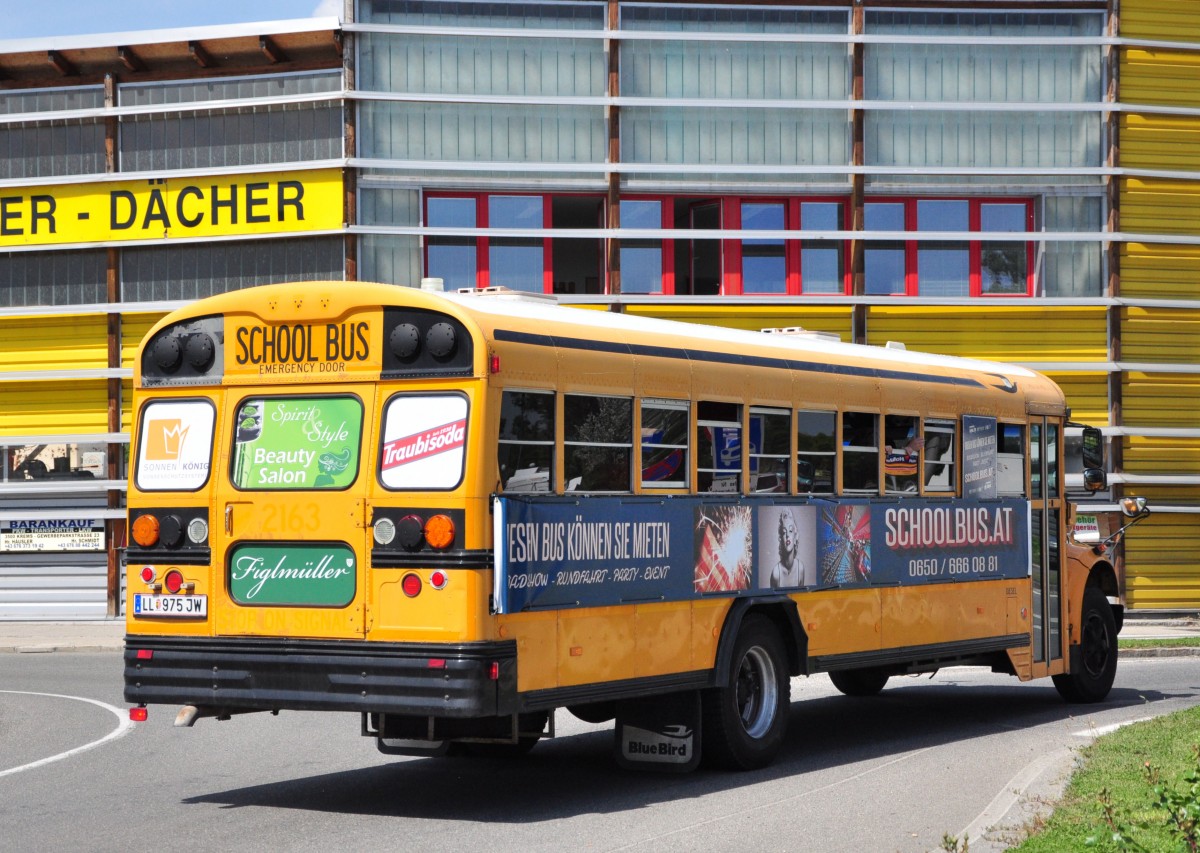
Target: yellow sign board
(159,208)
(303,351)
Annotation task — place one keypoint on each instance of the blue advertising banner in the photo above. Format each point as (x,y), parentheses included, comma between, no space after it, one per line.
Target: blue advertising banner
(553,552)
(979,457)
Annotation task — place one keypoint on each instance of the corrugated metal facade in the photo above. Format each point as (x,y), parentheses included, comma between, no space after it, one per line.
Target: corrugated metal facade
(1128,363)
(1164,570)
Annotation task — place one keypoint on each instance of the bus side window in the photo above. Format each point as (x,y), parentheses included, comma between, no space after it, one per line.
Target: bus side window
(770,448)
(940,441)
(1010,460)
(597,443)
(664,444)
(718,447)
(902,444)
(816,452)
(525,451)
(860,453)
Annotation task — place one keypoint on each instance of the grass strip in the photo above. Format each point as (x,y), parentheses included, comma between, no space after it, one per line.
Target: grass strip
(1113,768)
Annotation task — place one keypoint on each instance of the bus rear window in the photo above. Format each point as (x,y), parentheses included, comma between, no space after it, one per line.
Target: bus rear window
(174,445)
(424,441)
(282,443)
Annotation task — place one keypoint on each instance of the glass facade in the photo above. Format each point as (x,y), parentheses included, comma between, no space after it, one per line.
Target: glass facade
(719,118)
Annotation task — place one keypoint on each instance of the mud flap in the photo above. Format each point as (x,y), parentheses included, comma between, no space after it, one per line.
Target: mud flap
(659,733)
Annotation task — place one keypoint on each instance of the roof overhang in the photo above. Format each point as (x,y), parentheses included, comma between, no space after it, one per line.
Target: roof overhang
(174,54)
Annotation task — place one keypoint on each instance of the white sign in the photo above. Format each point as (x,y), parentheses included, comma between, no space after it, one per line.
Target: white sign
(67,534)
(424,441)
(175,446)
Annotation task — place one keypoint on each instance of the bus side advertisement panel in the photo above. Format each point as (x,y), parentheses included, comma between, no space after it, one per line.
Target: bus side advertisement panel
(553,552)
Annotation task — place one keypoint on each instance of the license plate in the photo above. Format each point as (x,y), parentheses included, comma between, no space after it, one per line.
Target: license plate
(170,605)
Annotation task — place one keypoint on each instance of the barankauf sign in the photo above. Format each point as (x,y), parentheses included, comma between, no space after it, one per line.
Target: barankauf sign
(52,534)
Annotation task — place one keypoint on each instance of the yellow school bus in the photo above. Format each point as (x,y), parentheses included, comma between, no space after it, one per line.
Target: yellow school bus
(457,513)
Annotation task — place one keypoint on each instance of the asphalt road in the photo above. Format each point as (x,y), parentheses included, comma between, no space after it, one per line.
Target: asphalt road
(967,753)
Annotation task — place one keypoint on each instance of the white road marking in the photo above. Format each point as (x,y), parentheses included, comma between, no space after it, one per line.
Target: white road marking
(124,726)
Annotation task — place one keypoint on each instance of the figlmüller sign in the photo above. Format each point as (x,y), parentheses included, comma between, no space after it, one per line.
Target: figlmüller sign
(321,574)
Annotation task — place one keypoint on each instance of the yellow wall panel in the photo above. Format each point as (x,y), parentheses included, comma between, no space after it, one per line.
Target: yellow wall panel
(1155,455)
(1160,19)
(1160,142)
(133,328)
(127,406)
(1161,399)
(1160,206)
(1170,77)
(832,318)
(1160,562)
(53,343)
(1087,395)
(998,332)
(1160,271)
(34,408)
(1169,335)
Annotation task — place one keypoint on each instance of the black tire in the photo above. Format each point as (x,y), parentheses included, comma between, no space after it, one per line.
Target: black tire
(594,712)
(1094,661)
(859,682)
(744,722)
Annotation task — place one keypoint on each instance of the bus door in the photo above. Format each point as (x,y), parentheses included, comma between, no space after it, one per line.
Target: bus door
(1045,528)
(290,536)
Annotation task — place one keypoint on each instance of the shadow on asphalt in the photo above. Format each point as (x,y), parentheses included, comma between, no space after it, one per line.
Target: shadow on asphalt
(577,774)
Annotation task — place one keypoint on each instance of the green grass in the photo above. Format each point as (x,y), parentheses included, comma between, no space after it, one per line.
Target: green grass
(1115,764)
(1173,642)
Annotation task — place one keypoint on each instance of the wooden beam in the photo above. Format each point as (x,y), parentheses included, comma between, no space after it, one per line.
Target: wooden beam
(65,67)
(271,50)
(131,60)
(201,56)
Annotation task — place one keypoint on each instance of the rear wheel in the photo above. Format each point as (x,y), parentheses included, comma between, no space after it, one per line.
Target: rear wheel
(1094,664)
(745,721)
(859,682)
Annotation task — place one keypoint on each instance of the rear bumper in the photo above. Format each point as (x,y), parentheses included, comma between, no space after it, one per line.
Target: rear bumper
(266,674)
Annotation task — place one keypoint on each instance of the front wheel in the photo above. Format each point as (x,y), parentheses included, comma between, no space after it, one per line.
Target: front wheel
(745,721)
(1094,661)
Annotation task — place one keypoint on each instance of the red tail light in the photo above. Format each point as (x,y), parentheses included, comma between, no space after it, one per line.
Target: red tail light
(411,584)
(173,581)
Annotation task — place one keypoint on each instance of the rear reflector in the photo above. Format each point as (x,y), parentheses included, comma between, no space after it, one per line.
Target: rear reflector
(437,663)
(411,584)
(494,671)
(138,715)
(145,654)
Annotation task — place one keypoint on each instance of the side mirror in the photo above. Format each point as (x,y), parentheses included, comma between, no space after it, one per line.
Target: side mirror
(1095,480)
(1135,507)
(1092,449)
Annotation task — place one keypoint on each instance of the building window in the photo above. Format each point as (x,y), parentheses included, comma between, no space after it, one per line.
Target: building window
(516,262)
(949,268)
(764,265)
(452,259)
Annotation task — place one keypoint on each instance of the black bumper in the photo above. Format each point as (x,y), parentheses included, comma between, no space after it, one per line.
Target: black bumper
(243,674)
